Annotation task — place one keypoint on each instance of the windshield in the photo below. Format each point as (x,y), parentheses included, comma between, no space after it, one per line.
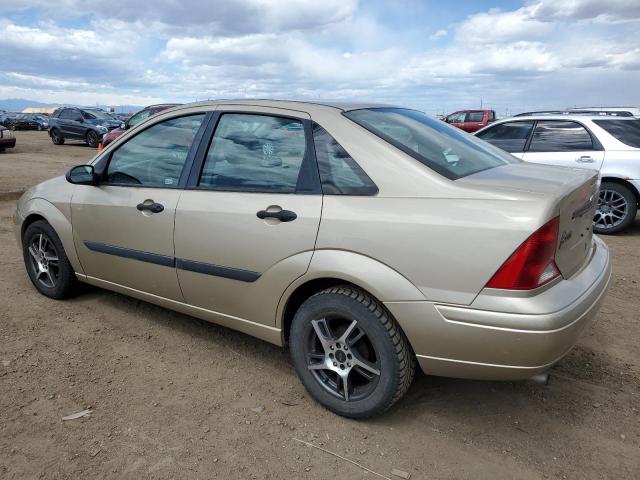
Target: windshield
(447,150)
(627,131)
(93,114)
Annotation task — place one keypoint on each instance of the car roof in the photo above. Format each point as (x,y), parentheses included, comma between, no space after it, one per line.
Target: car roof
(577,117)
(306,106)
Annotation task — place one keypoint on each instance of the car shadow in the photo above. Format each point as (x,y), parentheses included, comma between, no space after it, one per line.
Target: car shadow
(430,400)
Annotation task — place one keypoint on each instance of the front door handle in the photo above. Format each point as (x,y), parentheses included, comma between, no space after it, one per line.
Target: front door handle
(585,159)
(282,215)
(151,207)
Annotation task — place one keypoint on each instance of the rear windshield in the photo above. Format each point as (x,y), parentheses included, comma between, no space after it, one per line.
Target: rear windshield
(447,150)
(627,131)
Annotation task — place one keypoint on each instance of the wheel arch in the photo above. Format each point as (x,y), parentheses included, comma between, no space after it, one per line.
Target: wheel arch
(624,183)
(329,268)
(40,209)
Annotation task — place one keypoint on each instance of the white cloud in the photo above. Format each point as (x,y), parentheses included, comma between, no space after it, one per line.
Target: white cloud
(214,16)
(438,34)
(496,26)
(606,11)
(309,49)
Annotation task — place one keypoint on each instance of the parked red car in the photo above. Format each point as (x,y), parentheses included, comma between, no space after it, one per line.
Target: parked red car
(136,118)
(471,120)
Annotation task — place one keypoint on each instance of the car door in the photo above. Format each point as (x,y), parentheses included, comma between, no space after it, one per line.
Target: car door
(247,225)
(564,142)
(509,136)
(473,121)
(70,120)
(123,228)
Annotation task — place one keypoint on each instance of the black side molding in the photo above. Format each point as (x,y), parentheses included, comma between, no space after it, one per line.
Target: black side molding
(181,263)
(217,270)
(130,253)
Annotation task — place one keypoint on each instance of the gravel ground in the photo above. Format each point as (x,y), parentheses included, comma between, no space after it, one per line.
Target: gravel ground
(176,397)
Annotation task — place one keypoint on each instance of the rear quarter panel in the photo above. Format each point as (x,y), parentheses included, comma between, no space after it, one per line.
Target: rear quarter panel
(447,247)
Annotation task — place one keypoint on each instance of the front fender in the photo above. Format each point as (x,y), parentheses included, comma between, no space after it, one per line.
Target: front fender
(380,280)
(57,219)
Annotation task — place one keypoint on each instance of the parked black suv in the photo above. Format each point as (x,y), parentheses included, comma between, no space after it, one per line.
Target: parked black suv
(87,124)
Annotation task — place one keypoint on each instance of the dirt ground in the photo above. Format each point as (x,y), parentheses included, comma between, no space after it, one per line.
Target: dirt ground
(176,397)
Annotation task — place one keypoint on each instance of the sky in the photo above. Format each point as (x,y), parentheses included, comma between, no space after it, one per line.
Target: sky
(433,55)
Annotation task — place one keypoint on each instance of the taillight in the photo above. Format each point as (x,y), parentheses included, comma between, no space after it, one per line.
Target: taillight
(533,263)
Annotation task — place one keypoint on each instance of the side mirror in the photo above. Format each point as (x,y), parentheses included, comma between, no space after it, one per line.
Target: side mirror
(82,175)
(124,126)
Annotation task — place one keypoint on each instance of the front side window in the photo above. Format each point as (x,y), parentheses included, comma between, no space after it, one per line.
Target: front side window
(456,117)
(560,136)
(156,156)
(254,153)
(510,136)
(475,117)
(138,117)
(339,173)
(441,147)
(627,131)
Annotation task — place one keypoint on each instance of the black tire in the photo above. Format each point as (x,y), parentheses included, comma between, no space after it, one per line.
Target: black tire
(614,199)
(376,338)
(61,281)
(56,137)
(92,139)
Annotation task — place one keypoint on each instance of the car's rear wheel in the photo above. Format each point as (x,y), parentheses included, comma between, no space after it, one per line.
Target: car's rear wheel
(617,208)
(92,139)
(46,261)
(56,137)
(349,353)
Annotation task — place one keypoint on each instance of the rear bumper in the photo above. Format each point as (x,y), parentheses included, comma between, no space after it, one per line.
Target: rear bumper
(501,336)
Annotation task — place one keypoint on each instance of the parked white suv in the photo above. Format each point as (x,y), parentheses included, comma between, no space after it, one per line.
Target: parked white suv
(610,144)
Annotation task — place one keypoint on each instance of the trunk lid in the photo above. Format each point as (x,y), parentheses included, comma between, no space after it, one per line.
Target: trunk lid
(577,210)
(571,193)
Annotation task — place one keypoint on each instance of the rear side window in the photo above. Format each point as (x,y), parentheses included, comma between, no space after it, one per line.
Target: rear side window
(560,136)
(627,131)
(475,116)
(156,156)
(254,153)
(510,136)
(69,114)
(445,149)
(339,173)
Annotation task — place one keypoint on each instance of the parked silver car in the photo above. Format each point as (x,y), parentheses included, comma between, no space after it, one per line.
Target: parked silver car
(364,237)
(607,144)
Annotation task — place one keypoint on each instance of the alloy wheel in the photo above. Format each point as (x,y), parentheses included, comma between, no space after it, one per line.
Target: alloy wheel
(612,209)
(44,260)
(342,359)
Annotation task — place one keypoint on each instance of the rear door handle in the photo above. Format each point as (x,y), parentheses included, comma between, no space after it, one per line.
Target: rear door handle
(282,215)
(585,159)
(151,207)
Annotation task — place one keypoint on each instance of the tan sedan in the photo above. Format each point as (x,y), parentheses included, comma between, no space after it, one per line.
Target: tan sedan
(367,238)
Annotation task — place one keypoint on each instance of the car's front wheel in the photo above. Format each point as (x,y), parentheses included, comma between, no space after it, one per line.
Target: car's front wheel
(46,261)
(349,353)
(617,208)
(56,137)
(92,139)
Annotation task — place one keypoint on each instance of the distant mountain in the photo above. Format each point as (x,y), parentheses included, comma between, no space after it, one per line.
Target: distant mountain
(19,104)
